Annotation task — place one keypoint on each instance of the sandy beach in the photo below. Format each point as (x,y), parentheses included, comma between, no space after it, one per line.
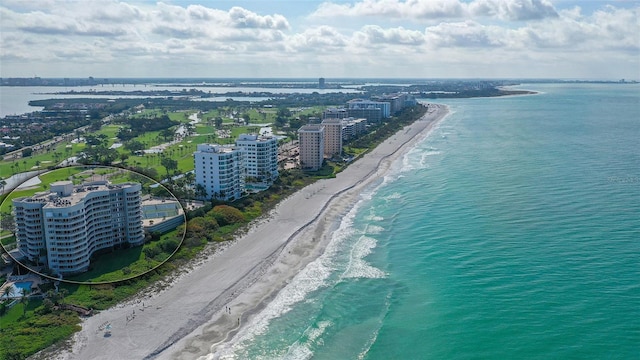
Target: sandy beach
(207,305)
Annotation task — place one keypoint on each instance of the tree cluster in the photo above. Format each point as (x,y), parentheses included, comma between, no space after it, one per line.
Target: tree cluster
(138,126)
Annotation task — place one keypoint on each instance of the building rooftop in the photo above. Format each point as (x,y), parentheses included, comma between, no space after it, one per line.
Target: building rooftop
(254,137)
(311,127)
(334,121)
(215,148)
(64,193)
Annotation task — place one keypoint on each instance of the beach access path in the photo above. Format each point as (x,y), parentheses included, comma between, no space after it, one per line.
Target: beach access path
(212,301)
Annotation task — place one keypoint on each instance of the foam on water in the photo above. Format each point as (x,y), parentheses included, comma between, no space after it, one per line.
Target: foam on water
(301,350)
(357,266)
(395,195)
(373,217)
(374,229)
(313,277)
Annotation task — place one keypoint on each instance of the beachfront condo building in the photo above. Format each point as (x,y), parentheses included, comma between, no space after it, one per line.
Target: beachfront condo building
(332,137)
(311,143)
(373,115)
(352,128)
(361,104)
(63,227)
(220,171)
(335,113)
(260,158)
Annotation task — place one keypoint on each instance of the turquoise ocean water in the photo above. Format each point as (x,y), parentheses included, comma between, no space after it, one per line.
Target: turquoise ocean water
(512,231)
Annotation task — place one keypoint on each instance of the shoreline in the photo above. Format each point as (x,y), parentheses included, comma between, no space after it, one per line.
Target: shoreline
(213,301)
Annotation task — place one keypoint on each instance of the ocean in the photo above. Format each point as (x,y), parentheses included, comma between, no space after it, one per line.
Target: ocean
(511,231)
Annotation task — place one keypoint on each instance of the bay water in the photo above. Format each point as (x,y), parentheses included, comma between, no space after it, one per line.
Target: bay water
(511,231)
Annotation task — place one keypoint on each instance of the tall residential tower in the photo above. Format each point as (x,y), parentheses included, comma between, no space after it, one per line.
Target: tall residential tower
(220,171)
(311,139)
(260,157)
(63,227)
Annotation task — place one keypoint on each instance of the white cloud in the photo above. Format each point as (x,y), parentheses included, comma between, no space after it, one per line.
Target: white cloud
(364,36)
(513,10)
(463,35)
(246,19)
(318,39)
(393,8)
(373,35)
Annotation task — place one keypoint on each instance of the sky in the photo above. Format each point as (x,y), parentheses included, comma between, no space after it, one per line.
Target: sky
(333,39)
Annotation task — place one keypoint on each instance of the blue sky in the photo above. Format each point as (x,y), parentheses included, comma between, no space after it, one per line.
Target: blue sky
(364,38)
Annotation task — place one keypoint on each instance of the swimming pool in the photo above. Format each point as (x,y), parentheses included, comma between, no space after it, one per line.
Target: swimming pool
(17,289)
(23,285)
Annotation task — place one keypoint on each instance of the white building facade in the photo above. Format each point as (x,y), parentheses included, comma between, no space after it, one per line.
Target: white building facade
(220,171)
(63,227)
(361,104)
(311,143)
(260,157)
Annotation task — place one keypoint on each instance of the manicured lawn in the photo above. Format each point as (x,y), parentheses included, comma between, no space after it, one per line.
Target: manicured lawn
(110,131)
(202,139)
(17,310)
(108,267)
(6,203)
(182,116)
(51,158)
(259,116)
(8,240)
(185,163)
(60,174)
(150,138)
(205,129)
(124,263)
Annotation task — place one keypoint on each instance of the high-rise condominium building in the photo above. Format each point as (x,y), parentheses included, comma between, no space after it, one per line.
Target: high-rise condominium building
(260,157)
(220,171)
(332,137)
(311,142)
(61,228)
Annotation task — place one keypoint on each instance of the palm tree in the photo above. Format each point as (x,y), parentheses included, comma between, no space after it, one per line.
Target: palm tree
(2,185)
(24,300)
(201,192)
(8,292)
(62,293)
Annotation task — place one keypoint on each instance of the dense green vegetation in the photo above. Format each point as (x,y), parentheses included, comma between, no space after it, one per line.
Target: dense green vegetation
(28,328)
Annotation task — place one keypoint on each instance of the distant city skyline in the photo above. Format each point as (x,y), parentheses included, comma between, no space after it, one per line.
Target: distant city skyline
(565,39)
